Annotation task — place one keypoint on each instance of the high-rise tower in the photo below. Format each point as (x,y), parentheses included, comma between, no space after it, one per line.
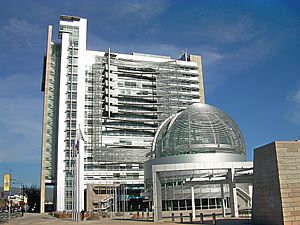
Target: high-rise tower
(118,100)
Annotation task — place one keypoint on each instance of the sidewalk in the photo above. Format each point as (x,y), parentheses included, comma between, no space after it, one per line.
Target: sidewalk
(44,219)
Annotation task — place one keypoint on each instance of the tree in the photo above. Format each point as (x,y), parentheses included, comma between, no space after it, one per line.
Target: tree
(33,195)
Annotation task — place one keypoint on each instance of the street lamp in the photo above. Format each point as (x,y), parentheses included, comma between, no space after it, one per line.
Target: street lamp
(9,202)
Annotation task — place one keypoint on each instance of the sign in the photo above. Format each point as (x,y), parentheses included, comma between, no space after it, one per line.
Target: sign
(6,182)
(25,200)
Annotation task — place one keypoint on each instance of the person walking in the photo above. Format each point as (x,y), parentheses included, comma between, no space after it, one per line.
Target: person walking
(22,210)
(82,215)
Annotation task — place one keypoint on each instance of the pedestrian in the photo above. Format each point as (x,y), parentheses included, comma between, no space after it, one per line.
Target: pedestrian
(22,210)
(82,215)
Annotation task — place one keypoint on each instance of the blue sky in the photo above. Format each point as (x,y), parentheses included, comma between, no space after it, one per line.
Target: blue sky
(250,50)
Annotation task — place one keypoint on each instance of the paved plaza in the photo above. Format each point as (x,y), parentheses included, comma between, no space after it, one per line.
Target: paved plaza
(44,219)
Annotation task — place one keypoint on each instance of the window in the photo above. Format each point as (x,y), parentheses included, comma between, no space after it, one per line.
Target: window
(73,60)
(73,114)
(204,203)
(212,203)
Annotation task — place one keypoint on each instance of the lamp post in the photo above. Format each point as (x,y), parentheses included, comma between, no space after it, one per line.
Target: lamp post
(9,202)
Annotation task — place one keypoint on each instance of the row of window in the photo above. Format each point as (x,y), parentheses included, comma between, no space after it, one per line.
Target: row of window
(127,133)
(186,204)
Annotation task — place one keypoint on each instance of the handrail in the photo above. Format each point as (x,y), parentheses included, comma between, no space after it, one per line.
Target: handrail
(244,195)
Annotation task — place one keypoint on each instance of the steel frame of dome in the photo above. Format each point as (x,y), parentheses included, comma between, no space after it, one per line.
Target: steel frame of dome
(200,128)
(202,142)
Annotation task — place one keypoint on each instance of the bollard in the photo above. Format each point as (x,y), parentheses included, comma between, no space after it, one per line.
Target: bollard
(191,218)
(214,221)
(201,218)
(147,215)
(181,218)
(173,217)
(142,215)
(138,215)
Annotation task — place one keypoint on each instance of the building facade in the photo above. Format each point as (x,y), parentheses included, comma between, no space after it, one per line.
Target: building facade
(117,100)
(198,162)
(276,184)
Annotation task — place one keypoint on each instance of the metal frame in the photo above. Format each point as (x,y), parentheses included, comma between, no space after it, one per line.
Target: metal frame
(231,168)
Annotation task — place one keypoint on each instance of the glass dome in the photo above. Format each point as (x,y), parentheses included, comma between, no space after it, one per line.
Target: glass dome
(200,128)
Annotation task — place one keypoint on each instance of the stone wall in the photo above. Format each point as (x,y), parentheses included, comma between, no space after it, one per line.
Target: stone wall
(276,184)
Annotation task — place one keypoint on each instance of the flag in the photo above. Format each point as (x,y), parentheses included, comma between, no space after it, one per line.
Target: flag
(79,137)
(75,148)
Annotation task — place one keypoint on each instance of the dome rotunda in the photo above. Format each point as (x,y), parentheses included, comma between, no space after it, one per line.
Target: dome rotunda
(200,128)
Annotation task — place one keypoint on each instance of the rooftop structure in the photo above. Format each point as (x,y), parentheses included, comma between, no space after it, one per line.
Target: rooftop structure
(200,128)
(198,161)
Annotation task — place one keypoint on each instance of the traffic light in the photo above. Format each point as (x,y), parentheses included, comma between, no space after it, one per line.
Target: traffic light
(2,194)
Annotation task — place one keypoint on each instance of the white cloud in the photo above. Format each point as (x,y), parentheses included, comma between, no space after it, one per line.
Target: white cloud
(18,85)
(97,42)
(227,47)
(222,62)
(20,34)
(20,117)
(139,9)
(20,121)
(219,65)
(293,112)
(212,56)
(232,43)
(227,31)
(295,97)
(294,115)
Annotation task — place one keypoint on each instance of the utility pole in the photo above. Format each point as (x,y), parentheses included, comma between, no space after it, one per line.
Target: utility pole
(9,201)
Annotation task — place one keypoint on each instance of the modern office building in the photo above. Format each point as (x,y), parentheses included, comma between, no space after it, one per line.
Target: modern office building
(118,102)
(198,162)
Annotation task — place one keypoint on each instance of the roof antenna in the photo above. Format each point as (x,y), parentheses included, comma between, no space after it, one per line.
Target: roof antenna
(184,55)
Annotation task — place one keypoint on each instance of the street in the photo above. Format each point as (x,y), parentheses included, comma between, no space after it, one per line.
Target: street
(4,216)
(44,219)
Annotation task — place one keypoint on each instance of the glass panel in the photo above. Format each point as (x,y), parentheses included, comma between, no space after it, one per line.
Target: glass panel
(204,203)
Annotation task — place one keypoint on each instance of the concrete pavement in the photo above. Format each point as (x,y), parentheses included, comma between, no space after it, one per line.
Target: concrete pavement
(4,216)
(44,219)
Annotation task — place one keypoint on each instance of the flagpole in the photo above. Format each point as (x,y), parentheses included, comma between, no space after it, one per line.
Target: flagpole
(77,188)
(79,173)
(77,176)
(73,182)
